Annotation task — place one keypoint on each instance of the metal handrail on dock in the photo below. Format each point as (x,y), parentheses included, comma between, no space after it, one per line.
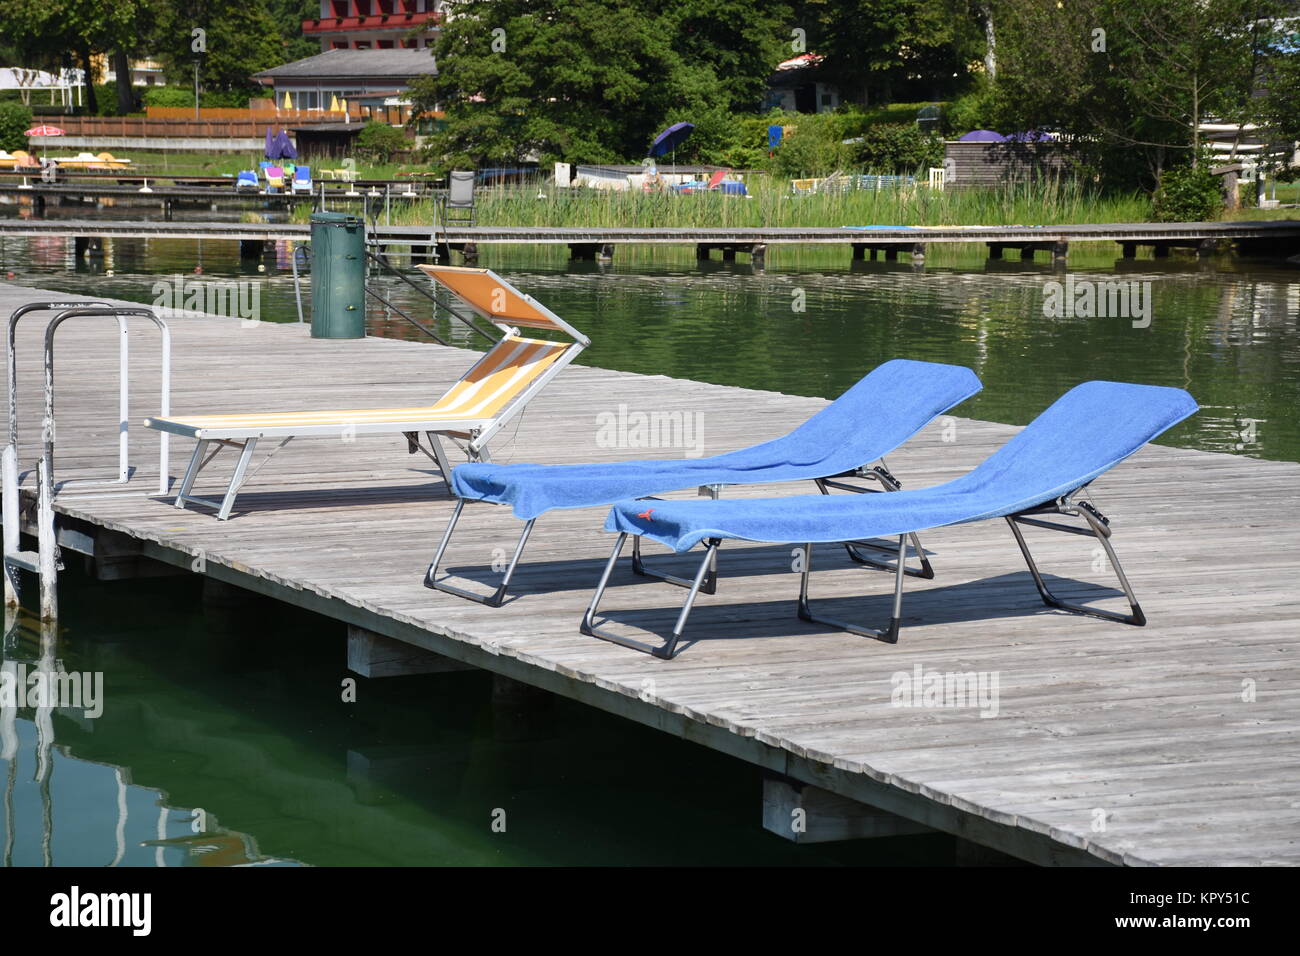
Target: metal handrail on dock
(45,560)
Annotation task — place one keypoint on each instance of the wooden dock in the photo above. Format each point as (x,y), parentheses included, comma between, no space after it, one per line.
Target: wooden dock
(1177,743)
(1277,238)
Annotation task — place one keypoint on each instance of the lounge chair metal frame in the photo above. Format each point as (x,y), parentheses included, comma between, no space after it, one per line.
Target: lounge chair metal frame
(708,583)
(1097,525)
(476,432)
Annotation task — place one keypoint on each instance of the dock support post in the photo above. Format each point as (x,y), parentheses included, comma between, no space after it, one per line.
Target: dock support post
(79,246)
(802,813)
(1027,253)
(1060,250)
(758,254)
(1206,248)
(606,253)
(250,249)
(918,252)
(1161,250)
(995,250)
(12,521)
(702,251)
(891,254)
(728,253)
(374,655)
(858,250)
(47,547)
(1128,250)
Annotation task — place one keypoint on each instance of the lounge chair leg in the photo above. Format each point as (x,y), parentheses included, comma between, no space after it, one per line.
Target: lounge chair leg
(236,479)
(668,650)
(889,483)
(1102,533)
(890,634)
(192,472)
(497,597)
(709,586)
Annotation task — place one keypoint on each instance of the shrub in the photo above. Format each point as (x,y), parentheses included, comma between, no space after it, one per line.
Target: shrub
(897,148)
(168,96)
(15,119)
(1187,194)
(379,141)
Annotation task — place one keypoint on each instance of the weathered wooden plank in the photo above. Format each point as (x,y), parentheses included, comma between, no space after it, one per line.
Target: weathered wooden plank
(1184,732)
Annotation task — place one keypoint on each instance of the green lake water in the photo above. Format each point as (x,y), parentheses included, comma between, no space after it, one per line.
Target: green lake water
(222,742)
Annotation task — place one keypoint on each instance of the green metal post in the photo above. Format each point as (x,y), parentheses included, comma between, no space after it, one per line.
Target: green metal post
(338,282)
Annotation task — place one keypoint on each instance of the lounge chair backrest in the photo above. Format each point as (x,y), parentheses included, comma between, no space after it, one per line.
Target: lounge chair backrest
(302,174)
(500,377)
(880,412)
(460,188)
(1085,432)
(498,301)
(718,176)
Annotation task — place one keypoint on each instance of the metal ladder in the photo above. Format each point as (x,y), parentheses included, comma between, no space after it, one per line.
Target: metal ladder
(44,561)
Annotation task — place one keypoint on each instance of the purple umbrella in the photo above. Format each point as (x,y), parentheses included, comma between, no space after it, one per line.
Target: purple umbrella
(284,147)
(670,139)
(982,136)
(270,143)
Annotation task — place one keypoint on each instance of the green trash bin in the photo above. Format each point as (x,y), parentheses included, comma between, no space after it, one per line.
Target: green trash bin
(338,276)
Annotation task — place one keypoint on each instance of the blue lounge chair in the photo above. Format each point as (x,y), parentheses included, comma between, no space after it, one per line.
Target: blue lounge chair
(1086,432)
(302,179)
(883,410)
(247,179)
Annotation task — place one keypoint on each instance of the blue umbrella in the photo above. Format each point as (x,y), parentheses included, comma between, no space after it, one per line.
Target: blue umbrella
(670,139)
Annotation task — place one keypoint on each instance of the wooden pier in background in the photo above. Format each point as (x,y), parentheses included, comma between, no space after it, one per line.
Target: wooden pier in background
(1176,743)
(1270,238)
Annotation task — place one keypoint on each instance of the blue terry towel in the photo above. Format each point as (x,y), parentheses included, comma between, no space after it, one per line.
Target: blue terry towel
(1088,430)
(888,406)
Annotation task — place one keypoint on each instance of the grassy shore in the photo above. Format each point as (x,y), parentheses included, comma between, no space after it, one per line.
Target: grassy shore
(772,205)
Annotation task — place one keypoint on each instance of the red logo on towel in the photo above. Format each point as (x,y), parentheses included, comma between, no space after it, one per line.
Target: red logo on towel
(646,514)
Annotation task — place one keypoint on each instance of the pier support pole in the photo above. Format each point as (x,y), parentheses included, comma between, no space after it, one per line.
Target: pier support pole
(702,251)
(802,813)
(250,249)
(1206,248)
(470,251)
(1161,250)
(374,655)
(918,252)
(1128,250)
(891,254)
(1060,250)
(79,246)
(758,254)
(995,250)
(858,250)
(606,253)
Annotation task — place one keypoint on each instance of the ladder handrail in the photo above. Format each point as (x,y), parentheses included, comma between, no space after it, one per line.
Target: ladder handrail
(121,315)
(11,358)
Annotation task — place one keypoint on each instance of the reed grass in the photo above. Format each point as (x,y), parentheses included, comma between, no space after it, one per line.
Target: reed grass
(772,205)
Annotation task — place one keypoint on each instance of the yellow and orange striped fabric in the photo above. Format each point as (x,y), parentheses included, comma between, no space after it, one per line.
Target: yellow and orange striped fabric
(485,391)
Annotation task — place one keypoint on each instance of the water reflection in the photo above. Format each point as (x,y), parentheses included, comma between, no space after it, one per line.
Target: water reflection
(59,809)
(813,321)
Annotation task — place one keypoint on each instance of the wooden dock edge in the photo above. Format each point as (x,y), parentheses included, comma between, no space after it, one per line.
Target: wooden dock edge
(1008,834)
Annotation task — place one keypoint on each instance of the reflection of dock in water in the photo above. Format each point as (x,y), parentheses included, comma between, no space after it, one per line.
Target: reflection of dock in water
(53,805)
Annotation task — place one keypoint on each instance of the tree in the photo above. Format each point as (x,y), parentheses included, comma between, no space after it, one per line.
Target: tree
(589,81)
(878,51)
(288,16)
(379,141)
(61,30)
(238,39)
